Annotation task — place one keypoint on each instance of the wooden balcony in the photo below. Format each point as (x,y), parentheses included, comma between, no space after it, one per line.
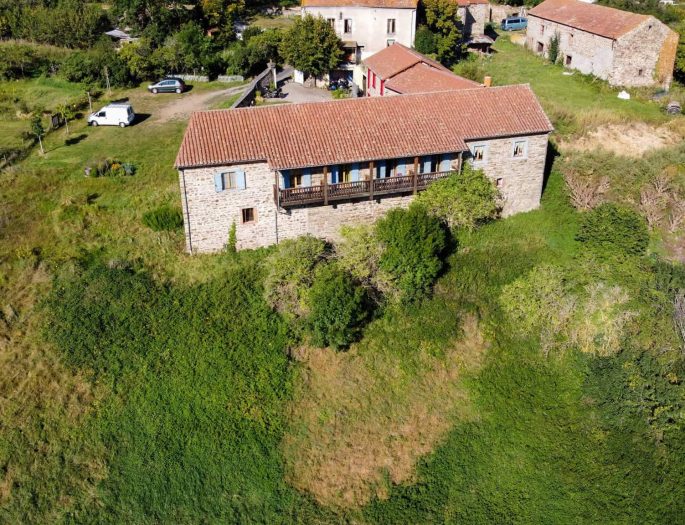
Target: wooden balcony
(325,194)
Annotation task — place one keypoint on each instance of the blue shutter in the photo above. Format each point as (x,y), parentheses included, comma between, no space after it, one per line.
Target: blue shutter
(445,162)
(382,169)
(240,179)
(426,164)
(401,168)
(335,174)
(307,177)
(285,179)
(354,174)
(219,182)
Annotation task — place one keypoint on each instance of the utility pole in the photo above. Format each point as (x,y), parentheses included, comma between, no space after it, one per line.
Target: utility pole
(90,102)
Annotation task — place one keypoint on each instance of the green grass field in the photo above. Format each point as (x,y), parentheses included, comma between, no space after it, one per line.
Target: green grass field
(573,102)
(142,385)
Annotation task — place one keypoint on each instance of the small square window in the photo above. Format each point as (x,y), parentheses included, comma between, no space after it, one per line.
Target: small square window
(541,47)
(499,182)
(567,60)
(640,72)
(479,153)
(348,25)
(520,147)
(391,26)
(542,29)
(248,215)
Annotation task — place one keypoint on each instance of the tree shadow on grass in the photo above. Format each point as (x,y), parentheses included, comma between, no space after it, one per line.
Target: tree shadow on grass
(75,140)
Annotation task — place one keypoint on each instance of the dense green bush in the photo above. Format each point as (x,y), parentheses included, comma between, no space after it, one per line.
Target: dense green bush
(290,273)
(610,230)
(88,67)
(165,218)
(425,41)
(413,243)
(337,308)
(462,200)
(22,60)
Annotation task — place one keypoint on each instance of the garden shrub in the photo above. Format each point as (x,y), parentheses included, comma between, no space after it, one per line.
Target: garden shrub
(359,253)
(165,218)
(113,168)
(413,242)
(336,306)
(462,200)
(290,273)
(611,230)
(548,302)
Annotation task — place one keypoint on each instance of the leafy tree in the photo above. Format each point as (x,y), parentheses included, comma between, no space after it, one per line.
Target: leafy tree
(336,306)
(553,53)
(311,46)
(141,60)
(463,200)
(443,20)
(413,242)
(424,41)
(290,273)
(679,69)
(67,113)
(610,230)
(37,130)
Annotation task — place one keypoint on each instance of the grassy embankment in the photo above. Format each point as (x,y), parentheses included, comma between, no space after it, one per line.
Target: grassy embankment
(163,392)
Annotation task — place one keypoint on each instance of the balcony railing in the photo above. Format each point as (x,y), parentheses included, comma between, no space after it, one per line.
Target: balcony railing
(326,193)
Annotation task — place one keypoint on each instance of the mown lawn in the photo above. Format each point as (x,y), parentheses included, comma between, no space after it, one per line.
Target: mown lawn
(574,102)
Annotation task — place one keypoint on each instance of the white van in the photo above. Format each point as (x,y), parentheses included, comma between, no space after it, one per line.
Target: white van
(113,115)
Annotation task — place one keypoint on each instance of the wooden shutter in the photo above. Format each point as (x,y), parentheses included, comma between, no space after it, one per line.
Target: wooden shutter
(426,165)
(445,162)
(219,182)
(240,180)
(307,177)
(382,169)
(335,174)
(354,174)
(401,167)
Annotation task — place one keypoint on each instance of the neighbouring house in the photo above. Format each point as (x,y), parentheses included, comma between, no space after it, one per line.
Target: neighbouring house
(278,172)
(474,14)
(399,70)
(120,36)
(626,49)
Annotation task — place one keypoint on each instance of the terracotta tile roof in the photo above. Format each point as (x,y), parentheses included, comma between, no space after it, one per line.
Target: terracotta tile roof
(422,78)
(352,130)
(395,58)
(593,18)
(409,4)
(464,3)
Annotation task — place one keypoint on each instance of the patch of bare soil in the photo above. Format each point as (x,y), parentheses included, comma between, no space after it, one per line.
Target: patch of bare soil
(358,420)
(182,107)
(630,140)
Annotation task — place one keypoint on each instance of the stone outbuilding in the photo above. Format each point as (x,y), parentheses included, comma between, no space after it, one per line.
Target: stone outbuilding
(278,172)
(624,48)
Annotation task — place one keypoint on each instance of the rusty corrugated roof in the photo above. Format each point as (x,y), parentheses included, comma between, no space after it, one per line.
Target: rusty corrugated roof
(593,18)
(353,130)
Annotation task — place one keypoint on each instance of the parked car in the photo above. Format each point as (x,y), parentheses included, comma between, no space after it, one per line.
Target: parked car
(514,23)
(121,115)
(167,85)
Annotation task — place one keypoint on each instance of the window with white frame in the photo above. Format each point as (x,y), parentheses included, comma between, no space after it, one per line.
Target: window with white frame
(390,42)
(390,26)
(520,149)
(348,25)
(478,153)
(331,21)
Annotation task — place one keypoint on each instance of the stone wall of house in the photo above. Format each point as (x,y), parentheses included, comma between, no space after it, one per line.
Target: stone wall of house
(473,19)
(209,214)
(637,53)
(590,54)
(519,179)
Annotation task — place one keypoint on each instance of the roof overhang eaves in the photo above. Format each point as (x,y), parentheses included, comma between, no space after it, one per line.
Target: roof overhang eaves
(579,28)
(510,135)
(218,164)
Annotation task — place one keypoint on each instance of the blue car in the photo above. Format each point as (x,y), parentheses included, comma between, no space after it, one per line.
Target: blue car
(514,23)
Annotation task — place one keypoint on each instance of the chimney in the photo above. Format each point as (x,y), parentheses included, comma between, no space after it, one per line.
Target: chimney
(487,81)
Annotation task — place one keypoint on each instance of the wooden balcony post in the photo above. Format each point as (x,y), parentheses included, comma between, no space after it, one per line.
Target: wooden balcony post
(325,185)
(416,175)
(371,180)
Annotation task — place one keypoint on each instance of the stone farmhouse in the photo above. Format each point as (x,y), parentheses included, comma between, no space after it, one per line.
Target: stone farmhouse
(626,49)
(398,70)
(278,172)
